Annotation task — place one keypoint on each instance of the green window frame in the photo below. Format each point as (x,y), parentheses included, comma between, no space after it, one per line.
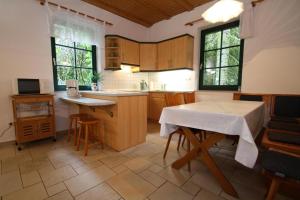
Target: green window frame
(221,58)
(75,71)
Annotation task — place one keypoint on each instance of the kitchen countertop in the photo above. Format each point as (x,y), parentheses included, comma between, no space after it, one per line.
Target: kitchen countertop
(116,93)
(88,101)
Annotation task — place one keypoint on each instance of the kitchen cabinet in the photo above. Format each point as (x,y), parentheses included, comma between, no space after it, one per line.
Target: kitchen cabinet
(156,102)
(182,52)
(171,54)
(130,52)
(33,117)
(148,57)
(164,50)
(119,51)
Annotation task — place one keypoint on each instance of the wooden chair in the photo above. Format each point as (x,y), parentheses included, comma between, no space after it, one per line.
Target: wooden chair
(73,120)
(174,99)
(88,130)
(281,161)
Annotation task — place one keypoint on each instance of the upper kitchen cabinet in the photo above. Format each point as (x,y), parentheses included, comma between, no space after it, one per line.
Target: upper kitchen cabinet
(130,52)
(164,55)
(182,52)
(176,53)
(119,50)
(171,54)
(148,57)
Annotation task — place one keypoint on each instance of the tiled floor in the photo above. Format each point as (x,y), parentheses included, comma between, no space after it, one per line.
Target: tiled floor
(48,170)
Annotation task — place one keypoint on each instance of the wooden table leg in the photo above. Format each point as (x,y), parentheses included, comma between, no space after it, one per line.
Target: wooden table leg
(202,149)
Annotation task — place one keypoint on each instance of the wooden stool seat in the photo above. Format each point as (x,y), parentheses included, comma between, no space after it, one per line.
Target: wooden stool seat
(88,130)
(74,120)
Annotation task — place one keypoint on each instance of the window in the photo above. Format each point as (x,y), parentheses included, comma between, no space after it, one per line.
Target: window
(72,60)
(221,58)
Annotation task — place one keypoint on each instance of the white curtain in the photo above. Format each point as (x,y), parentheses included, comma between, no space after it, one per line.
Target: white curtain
(76,28)
(247,21)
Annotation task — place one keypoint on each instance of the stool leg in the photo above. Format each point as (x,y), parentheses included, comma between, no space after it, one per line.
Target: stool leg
(70,129)
(86,145)
(78,137)
(102,138)
(75,132)
(167,145)
(179,141)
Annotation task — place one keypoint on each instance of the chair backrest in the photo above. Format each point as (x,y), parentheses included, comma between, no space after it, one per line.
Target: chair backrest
(189,97)
(285,106)
(174,99)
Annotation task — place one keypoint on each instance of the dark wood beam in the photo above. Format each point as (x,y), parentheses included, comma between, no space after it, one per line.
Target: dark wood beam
(104,5)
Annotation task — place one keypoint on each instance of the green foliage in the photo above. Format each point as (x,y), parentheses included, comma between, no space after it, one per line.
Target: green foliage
(221,57)
(97,77)
(80,68)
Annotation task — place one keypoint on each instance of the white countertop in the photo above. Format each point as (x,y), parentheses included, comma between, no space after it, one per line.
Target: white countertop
(115,93)
(88,101)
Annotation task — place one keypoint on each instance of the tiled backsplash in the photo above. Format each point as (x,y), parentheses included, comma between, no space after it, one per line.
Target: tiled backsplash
(173,80)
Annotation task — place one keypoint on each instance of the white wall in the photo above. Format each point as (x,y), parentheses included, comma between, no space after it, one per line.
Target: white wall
(25,49)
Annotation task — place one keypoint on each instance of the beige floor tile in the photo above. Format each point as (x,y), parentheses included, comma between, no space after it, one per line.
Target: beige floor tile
(34,192)
(12,163)
(152,178)
(114,160)
(206,195)
(177,177)
(119,169)
(131,186)
(190,188)
(35,164)
(88,180)
(87,167)
(65,195)
(10,182)
(155,168)
(170,192)
(52,190)
(100,192)
(53,177)
(170,158)
(206,181)
(6,151)
(137,164)
(30,178)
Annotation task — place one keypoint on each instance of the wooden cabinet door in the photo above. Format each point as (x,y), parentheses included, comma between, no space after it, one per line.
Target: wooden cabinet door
(182,52)
(130,52)
(26,130)
(156,104)
(164,55)
(45,128)
(148,57)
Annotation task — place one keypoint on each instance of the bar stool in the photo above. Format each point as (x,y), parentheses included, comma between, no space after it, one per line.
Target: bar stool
(74,118)
(88,130)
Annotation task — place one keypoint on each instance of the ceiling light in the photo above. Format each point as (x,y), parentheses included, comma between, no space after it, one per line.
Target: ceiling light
(223,11)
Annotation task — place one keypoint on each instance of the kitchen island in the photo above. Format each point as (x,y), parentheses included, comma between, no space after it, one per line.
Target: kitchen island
(125,121)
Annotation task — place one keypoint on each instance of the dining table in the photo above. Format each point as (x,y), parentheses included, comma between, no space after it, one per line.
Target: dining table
(233,117)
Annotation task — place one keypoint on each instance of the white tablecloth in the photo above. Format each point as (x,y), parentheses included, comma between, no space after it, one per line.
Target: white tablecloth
(243,118)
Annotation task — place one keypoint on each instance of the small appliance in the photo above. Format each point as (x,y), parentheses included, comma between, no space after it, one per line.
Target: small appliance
(72,88)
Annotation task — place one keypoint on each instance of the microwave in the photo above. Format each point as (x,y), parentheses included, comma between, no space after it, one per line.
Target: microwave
(27,86)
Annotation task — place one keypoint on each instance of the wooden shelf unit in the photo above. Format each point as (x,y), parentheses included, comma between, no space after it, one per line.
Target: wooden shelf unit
(34,117)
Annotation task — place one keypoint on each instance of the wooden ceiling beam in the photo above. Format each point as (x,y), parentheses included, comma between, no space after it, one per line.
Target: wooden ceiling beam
(104,5)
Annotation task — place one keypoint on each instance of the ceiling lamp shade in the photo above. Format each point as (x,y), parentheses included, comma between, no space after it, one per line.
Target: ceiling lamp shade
(223,11)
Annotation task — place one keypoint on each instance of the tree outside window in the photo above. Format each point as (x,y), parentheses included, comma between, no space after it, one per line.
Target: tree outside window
(221,58)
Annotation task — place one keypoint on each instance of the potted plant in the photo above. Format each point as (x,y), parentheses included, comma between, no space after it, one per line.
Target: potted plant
(97,79)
